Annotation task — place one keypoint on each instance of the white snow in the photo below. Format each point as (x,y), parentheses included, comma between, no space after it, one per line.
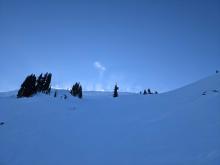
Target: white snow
(181,127)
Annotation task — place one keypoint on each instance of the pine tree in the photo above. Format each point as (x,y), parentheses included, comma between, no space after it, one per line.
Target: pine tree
(75,89)
(145,92)
(43,83)
(72,90)
(49,90)
(80,92)
(28,87)
(20,92)
(33,85)
(39,85)
(149,91)
(47,83)
(115,94)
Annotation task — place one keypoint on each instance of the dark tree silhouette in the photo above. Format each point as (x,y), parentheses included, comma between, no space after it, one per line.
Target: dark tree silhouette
(76,90)
(49,90)
(65,97)
(149,91)
(145,92)
(28,87)
(32,85)
(47,83)
(115,94)
(43,83)
(39,85)
(80,92)
(55,93)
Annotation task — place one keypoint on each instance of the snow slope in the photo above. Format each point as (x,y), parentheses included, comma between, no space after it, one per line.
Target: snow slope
(181,127)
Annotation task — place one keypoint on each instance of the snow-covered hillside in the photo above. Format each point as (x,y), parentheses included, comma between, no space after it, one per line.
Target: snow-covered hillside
(181,127)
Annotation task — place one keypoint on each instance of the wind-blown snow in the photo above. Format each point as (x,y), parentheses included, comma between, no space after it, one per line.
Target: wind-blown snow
(181,127)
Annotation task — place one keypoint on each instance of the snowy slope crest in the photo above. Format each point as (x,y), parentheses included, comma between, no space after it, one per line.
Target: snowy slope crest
(181,127)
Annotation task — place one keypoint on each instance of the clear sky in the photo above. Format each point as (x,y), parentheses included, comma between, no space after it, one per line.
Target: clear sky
(158,44)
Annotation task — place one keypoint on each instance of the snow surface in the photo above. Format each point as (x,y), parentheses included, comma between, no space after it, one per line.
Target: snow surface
(181,127)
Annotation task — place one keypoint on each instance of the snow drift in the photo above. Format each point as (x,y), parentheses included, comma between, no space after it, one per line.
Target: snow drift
(179,127)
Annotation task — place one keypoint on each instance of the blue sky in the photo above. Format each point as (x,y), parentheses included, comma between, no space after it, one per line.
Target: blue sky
(154,44)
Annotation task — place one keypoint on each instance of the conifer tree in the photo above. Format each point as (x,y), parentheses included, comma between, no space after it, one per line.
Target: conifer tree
(149,91)
(115,94)
(39,85)
(43,83)
(20,92)
(47,83)
(49,90)
(28,87)
(145,92)
(75,89)
(80,92)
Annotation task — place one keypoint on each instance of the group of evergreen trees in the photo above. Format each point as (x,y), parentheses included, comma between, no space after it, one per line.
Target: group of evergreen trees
(32,85)
(28,87)
(148,91)
(76,90)
(43,83)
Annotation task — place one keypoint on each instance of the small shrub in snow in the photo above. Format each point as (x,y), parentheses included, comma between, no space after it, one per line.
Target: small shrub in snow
(55,93)
(65,97)
(204,93)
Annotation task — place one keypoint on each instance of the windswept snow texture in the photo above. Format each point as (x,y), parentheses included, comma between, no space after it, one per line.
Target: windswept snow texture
(181,127)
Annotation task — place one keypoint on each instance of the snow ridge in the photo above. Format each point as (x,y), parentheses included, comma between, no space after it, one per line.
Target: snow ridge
(178,127)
